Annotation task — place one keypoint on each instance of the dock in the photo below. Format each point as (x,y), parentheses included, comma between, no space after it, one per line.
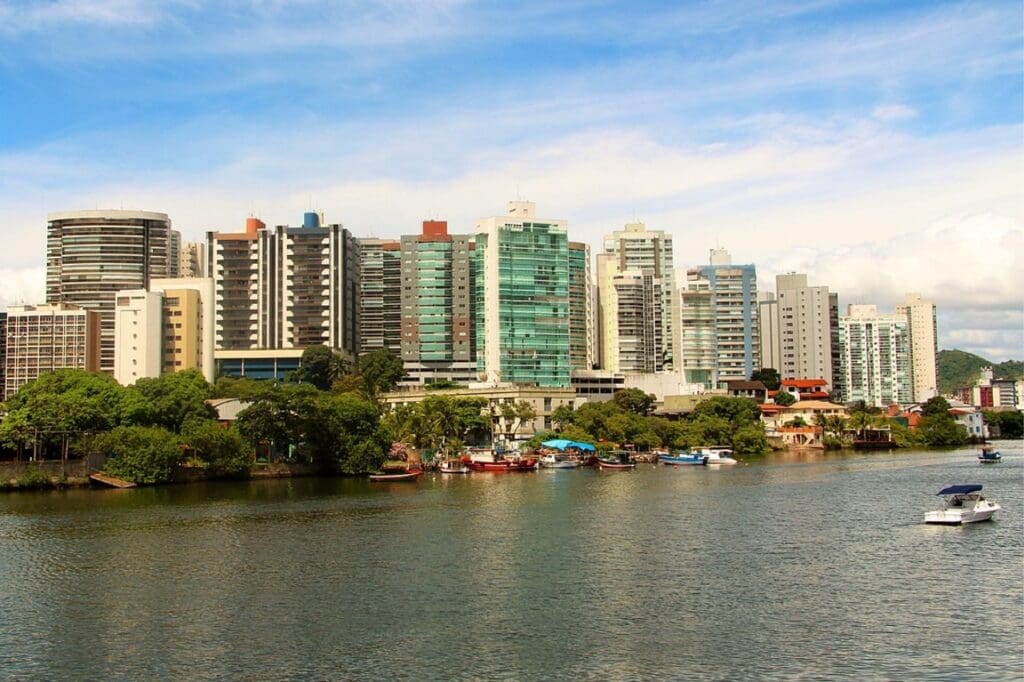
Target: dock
(110,480)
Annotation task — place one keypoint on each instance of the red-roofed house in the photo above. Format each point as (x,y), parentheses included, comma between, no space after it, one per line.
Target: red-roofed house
(806,389)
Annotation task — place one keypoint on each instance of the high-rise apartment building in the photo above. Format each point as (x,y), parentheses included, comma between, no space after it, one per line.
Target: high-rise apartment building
(924,348)
(167,329)
(380,295)
(437,306)
(642,252)
(234,262)
(581,308)
(174,254)
(3,350)
(91,255)
(639,327)
(192,260)
(768,321)
(807,338)
(875,357)
(290,287)
(521,298)
(718,313)
(45,338)
(309,286)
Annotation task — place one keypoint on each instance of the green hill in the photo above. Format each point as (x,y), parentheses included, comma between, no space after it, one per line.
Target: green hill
(959,368)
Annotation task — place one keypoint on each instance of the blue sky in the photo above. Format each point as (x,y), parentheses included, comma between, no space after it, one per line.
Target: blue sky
(876,146)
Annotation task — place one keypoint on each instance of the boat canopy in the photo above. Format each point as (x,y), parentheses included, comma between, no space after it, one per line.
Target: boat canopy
(563,444)
(960,489)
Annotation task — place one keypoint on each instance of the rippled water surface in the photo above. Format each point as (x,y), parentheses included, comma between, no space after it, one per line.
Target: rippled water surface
(810,567)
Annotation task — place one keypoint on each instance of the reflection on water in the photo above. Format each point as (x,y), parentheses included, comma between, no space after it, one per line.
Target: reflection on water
(813,566)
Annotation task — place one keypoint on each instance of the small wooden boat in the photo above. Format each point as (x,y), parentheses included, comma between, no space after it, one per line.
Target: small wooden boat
(525,464)
(615,466)
(410,475)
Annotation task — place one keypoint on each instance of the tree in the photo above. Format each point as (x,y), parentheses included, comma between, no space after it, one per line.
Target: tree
(935,406)
(58,407)
(381,371)
(739,410)
(750,440)
(223,450)
(514,416)
(562,416)
(769,376)
(320,366)
(173,399)
(140,454)
(784,398)
(634,400)
(1008,424)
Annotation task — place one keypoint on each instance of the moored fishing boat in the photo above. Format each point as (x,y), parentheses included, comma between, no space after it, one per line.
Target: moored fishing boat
(410,475)
(617,460)
(489,461)
(680,459)
(556,460)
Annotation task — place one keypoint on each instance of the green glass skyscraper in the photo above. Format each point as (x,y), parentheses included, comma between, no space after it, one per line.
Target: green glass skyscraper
(521,267)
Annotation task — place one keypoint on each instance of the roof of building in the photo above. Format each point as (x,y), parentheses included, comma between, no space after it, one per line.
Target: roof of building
(740,385)
(815,405)
(804,383)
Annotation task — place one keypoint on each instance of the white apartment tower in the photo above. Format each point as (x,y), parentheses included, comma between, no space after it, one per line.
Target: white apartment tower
(632,256)
(924,348)
(875,357)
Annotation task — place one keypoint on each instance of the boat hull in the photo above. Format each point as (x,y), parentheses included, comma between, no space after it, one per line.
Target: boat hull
(395,478)
(616,466)
(559,465)
(525,465)
(958,517)
(679,460)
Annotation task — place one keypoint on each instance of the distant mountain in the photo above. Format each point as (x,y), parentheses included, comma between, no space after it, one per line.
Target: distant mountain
(959,368)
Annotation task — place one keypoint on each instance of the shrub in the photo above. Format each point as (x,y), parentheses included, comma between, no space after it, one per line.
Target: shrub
(33,478)
(140,454)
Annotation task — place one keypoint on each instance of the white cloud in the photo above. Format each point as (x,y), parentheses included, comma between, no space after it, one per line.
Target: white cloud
(893,112)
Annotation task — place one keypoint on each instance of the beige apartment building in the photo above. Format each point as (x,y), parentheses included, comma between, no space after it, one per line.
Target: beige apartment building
(807,325)
(45,338)
(924,347)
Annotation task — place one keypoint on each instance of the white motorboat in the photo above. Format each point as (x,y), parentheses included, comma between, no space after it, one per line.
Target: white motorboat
(557,460)
(962,504)
(714,455)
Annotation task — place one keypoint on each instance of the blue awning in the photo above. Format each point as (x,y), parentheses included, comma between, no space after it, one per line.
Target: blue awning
(960,489)
(563,444)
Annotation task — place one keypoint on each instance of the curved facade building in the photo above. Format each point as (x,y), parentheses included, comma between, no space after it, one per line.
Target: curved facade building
(91,255)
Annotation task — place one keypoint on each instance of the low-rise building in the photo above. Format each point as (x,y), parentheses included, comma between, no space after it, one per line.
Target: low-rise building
(544,400)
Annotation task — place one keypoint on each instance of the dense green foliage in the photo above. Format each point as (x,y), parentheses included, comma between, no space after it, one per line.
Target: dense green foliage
(170,401)
(440,422)
(784,398)
(140,454)
(634,400)
(769,376)
(320,366)
(1005,424)
(957,368)
(220,448)
(380,370)
(719,420)
(339,433)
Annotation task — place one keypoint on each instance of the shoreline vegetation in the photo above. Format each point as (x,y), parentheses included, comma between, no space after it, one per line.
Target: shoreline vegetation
(329,420)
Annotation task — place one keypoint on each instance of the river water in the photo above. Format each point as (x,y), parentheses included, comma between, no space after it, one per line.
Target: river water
(790,567)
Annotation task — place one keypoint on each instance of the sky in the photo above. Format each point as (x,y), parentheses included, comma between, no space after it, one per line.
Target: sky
(876,146)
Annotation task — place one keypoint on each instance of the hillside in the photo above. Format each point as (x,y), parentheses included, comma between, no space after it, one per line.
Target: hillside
(959,368)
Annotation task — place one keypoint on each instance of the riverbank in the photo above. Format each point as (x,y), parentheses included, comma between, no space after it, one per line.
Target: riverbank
(57,474)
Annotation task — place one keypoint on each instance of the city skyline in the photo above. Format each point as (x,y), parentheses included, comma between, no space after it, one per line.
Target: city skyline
(877,150)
